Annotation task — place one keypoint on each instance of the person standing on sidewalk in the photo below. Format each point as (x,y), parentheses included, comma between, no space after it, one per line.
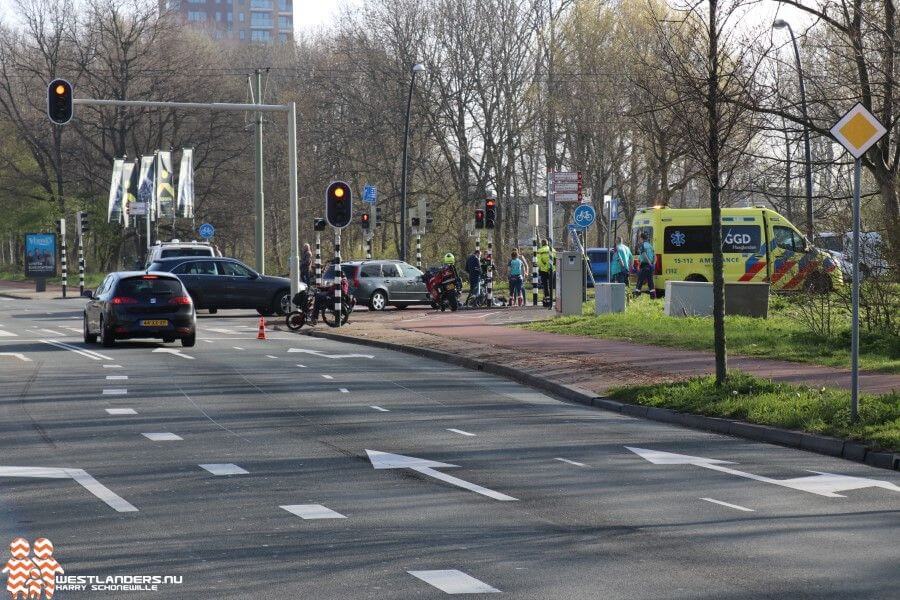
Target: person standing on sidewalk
(647,259)
(516,270)
(473,268)
(306,265)
(545,258)
(621,261)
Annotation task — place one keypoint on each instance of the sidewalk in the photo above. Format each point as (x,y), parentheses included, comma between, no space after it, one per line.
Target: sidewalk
(24,290)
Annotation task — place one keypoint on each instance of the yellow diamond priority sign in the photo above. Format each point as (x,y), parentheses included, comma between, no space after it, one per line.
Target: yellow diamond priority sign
(858,130)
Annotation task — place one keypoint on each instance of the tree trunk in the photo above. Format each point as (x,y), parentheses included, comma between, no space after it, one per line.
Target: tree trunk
(712,97)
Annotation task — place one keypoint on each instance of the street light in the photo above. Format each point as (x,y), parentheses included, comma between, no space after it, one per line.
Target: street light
(416,68)
(781,24)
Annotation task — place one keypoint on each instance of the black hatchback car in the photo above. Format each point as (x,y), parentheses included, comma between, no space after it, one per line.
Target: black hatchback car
(140,304)
(216,283)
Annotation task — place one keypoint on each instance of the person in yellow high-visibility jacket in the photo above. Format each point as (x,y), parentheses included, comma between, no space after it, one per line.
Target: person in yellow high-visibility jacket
(546,259)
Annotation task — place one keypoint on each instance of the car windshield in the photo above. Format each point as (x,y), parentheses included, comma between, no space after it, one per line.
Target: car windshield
(174,252)
(148,285)
(597,256)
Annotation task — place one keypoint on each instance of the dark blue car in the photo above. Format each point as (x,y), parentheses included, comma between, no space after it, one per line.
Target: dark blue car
(599,260)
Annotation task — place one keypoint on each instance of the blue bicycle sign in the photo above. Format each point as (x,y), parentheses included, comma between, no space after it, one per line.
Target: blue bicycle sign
(584,216)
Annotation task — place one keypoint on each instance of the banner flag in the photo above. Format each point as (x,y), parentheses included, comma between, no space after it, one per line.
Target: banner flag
(165,193)
(114,210)
(186,184)
(145,184)
(128,168)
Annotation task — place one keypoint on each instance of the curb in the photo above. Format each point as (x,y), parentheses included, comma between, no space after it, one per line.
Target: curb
(13,296)
(810,442)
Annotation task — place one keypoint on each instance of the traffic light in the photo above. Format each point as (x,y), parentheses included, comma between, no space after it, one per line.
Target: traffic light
(59,101)
(364,221)
(338,204)
(84,224)
(319,224)
(59,226)
(414,220)
(378,220)
(490,213)
(427,215)
(479,218)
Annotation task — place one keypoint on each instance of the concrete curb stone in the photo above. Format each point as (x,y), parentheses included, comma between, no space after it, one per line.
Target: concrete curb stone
(819,444)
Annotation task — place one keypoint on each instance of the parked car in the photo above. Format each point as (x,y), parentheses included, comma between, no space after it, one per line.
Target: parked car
(872,252)
(382,283)
(177,248)
(599,261)
(216,283)
(140,304)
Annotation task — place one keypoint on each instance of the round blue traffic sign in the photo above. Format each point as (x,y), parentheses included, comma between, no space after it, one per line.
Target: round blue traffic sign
(207,231)
(584,216)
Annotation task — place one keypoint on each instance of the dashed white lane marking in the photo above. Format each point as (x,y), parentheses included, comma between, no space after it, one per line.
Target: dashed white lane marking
(121,411)
(327,376)
(162,437)
(312,511)
(344,390)
(237,347)
(734,506)
(18,355)
(224,469)
(112,366)
(116,377)
(221,330)
(453,581)
(461,432)
(302,366)
(84,478)
(270,356)
(379,409)
(571,462)
(115,392)
(209,341)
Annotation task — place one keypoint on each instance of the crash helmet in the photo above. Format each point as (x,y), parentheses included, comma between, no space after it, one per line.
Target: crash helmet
(449,259)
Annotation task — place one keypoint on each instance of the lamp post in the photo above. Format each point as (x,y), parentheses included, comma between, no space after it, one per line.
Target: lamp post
(780,24)
(416,68)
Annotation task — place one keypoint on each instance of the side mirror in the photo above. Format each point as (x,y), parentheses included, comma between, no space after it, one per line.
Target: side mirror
(87,294)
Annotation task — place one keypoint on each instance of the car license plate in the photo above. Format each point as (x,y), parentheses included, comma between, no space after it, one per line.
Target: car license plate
(155,323)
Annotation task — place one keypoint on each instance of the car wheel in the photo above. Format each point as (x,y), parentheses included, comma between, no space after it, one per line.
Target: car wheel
(188,341)
(89,338)
(378,301)
(282,303)
(106,336)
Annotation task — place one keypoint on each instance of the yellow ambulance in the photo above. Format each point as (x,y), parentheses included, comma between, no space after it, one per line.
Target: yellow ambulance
(758,245)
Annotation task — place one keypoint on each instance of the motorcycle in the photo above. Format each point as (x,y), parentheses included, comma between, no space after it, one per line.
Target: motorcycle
(443,287)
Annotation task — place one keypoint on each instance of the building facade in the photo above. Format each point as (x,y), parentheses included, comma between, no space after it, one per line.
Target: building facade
(248,21)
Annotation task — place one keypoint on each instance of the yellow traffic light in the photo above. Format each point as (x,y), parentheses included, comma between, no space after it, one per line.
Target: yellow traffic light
(339,192)
(60,90)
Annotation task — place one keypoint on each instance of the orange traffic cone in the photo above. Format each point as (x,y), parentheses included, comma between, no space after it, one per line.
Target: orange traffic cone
(262,329)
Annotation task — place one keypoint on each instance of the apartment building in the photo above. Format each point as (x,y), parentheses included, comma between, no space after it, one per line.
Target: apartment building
(248,21)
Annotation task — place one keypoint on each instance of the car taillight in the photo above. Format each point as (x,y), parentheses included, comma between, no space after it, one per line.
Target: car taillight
(658,270)
(181,300)
(123,300)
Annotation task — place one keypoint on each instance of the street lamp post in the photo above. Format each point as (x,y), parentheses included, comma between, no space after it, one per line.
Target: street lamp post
(417,68)
(780,24)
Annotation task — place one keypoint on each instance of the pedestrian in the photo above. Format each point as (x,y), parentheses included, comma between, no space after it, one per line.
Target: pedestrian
(473,268)
(306,265)
(621,262)
(546,256)
(647,260)
(516,270)
(525,275)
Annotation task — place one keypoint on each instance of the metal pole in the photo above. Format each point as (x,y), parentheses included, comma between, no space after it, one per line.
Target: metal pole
(337,275)
(807,149)
(62,249)
(368,246)
(318,259)
(549,209)
(260,203)
(854,330)
(490,268)
(403,212)
(80,263)
(294,204)
(534,268)
(609,243)
(419,251)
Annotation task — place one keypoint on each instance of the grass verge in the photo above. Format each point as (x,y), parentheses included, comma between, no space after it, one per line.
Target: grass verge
(824,411)
(781,336)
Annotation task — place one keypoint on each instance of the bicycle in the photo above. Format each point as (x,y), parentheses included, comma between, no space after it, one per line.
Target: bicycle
(306,313)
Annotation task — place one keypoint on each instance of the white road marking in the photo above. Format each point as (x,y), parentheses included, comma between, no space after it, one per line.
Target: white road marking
(325,355)
(386,460)
(571,462)
(174,352)
(302,366)
(379,409)
(735,506)
(224,469)
(162,437)
(461,432)
(53,332)
(115,392)
(237,347)
(121,411)
(453,581)
(344,390)
(327,376)
(112,366)
(81,476)
(221,330)
(116,377)
(72,329)
(209,341)
(270,356)
(312,511)
(8,333)
(18,355)
(82,351)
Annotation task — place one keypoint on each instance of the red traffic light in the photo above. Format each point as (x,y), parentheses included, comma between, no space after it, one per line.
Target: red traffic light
(490,203)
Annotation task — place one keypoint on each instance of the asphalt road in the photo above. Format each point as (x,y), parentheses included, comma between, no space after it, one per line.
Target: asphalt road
(549,501)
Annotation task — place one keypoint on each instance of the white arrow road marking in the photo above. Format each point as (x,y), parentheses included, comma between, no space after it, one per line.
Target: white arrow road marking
(571,462)
(452,581)
(312,511)
(174,352)
(325,355)
(102,492)
(379,409)
(82,351)
(386,460)
(18,355)
(220,469)
(821,484)
(734,506)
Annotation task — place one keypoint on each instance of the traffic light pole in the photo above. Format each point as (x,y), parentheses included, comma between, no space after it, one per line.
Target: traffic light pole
(290,109)
(318,259)
(337,275)
(418,250)
(534,268)
(260,201)
(63,257)
(80,263)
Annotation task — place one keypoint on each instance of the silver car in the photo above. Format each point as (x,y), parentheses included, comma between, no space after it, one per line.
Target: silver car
(382,283)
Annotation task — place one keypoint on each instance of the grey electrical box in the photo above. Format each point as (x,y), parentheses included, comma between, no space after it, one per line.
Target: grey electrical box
(569,283)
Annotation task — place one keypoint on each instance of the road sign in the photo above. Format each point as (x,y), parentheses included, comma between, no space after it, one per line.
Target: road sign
(574,227)
(561,176)
(612,208)
(821,484)
(858,130)
(386,460)
(207,230)
(137,209)
(370,194)
(584,215)
(566,186)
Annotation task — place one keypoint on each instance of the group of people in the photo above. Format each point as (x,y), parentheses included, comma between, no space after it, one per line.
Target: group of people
(622,260)
(518,273)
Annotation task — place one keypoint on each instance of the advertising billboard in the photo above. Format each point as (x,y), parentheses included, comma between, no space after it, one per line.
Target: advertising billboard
(40,255)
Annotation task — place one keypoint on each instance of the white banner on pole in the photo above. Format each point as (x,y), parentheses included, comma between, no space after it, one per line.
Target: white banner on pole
(128,189)
(186,184)
(165,193)
(145,184)
(114,208)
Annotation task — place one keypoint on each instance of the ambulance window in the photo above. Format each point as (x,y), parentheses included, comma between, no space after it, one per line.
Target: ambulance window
(688,239)
(788,239)
(637,235)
